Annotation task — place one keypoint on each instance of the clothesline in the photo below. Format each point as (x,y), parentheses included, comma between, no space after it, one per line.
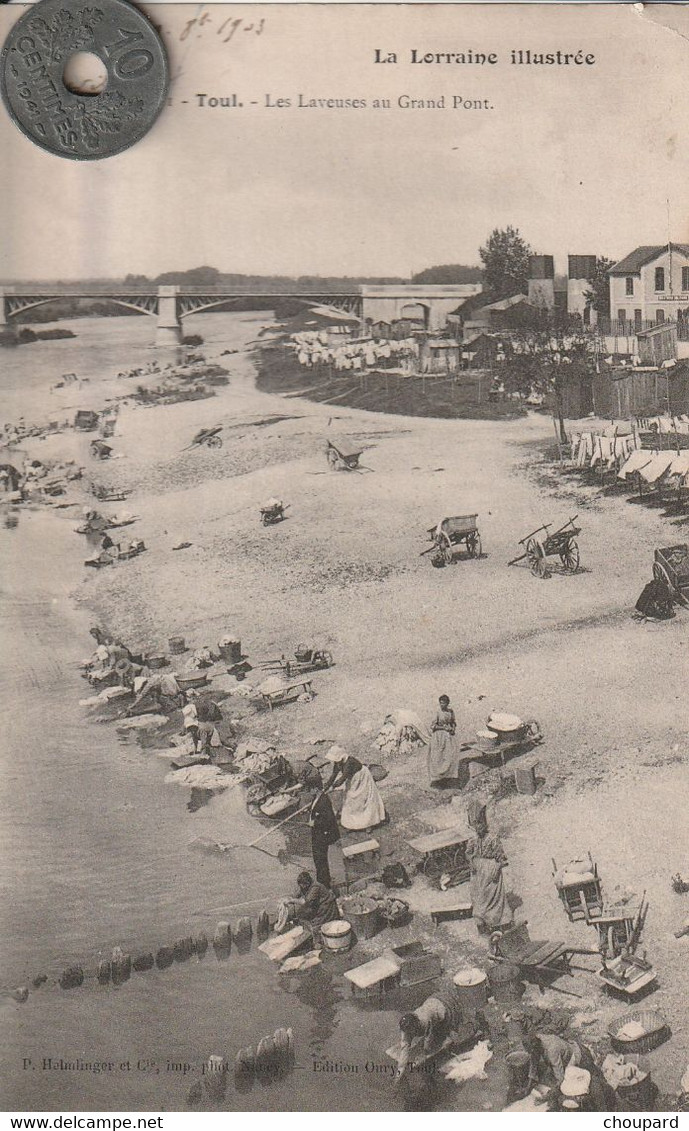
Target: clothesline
(605,447)
(314,347)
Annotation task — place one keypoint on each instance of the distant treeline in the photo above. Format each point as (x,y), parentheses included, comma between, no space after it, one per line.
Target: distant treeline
(448,274)
(281,284)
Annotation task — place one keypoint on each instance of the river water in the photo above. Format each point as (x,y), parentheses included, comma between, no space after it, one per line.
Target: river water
(95,848)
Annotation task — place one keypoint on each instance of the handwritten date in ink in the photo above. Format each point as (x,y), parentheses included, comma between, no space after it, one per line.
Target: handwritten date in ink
(227,29)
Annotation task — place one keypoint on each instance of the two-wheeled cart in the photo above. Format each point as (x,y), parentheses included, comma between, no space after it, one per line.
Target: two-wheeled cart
(671,565)
(210,437)
(543,543)
(452,535)
(306,659)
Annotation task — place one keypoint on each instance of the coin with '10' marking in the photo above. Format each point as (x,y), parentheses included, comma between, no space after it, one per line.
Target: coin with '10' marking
(77,125)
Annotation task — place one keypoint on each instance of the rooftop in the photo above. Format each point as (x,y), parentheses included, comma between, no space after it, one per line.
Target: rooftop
(632,263)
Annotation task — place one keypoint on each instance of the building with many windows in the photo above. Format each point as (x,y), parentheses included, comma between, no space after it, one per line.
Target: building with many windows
(651,285)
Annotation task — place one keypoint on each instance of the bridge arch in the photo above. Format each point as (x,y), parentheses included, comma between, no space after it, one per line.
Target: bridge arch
(416,312)
(20,307)
(189,307)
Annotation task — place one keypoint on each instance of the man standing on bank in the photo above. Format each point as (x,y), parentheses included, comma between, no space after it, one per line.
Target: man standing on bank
(325,832)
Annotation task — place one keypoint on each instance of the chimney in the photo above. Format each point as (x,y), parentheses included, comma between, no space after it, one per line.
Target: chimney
(580,269)
(542,281)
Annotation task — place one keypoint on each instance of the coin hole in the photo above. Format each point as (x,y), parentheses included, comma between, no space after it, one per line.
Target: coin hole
(85,73)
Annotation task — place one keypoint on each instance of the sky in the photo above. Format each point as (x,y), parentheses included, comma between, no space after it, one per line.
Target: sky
(581,159)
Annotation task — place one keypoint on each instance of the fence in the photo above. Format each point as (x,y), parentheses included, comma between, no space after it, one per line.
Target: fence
(615,327)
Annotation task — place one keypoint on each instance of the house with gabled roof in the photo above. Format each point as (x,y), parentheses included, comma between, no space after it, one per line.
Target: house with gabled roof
(651,285)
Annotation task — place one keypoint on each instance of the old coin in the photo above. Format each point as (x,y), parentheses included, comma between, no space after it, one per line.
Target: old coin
(83,126)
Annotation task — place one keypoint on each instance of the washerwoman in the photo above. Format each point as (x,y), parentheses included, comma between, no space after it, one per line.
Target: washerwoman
(487,859)
(443,750)
(363,806)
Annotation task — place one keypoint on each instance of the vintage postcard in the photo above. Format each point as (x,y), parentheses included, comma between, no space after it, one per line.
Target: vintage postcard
(345,561)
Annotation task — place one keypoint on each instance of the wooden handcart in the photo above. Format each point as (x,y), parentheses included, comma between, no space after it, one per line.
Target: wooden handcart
(540,544)
(341,457)
(619,927)
(210,437)
(100,450)
(108,494)
(443,852)
(579,888)
(671,565)
(539,960)
(450,536)
(305,660)
(273,512)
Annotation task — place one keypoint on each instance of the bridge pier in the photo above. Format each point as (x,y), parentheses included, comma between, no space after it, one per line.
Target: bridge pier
(169,329)
(4,321)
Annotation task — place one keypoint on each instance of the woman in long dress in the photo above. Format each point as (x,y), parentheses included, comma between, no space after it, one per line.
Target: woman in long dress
(363,806)
(487,859)
(443,749)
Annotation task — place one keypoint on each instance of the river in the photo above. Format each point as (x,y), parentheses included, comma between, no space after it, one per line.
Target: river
(95,847)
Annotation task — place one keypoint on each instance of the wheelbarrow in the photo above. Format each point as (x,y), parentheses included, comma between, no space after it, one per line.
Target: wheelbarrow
(209,436)
(273,511)
(100,450)
(343,458)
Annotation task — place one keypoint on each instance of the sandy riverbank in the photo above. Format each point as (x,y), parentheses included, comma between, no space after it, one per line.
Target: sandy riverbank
(345,570)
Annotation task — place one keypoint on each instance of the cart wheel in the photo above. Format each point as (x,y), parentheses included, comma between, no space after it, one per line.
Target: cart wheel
(660,574)
(569,556)
(474,544)
(214,442)
(536,559)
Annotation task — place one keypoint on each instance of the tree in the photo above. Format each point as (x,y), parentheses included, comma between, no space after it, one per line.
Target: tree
(545,361)
(447,274)
(598,296)
(195,277)
(137,281)
(505,259)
